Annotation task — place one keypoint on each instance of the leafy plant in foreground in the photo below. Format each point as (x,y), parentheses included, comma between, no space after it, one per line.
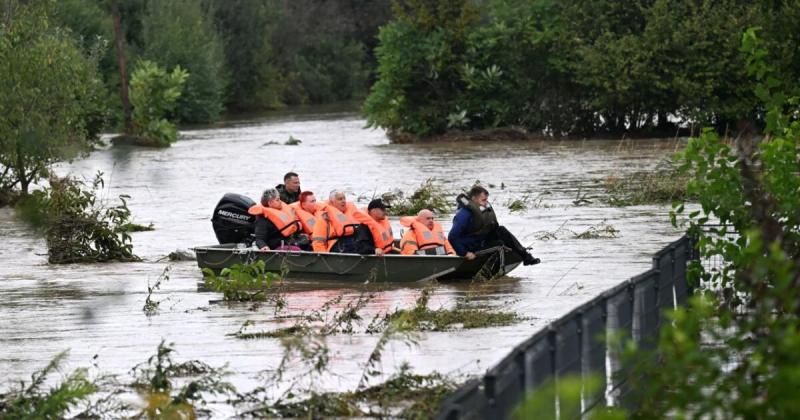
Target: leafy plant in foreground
(30,401)
(733,352)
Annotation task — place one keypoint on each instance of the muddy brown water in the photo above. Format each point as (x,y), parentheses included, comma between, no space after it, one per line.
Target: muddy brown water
(95,310)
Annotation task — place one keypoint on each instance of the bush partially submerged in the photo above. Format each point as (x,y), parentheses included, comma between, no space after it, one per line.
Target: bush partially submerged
(422,318)
(429,196)
(242,282)
(665,184)
(404,395)
(79,228)
(155,382)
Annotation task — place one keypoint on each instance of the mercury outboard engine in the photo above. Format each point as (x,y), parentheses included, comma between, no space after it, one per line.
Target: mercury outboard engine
(231,221)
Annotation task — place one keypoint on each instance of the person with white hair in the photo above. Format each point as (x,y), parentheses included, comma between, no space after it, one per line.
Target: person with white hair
(276,225)
(341,227)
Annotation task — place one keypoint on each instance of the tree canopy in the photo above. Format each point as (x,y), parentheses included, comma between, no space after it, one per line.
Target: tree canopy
(51,95)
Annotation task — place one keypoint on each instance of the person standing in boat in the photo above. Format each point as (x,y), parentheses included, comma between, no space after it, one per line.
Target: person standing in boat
(276,225)
(475,228)
(290,189)
(424,236)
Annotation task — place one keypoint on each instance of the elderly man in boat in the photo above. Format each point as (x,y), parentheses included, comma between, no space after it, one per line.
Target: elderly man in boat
(475,228)
(341,227)
(276,224)
(424,236)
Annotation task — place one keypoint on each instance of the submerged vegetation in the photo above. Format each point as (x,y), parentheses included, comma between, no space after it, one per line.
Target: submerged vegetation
(243,282)
(151,305)
(429,195)
(422,318)
(80,396)
(601,230)
(528,201)
(404,395)
(665,184)
(77,226)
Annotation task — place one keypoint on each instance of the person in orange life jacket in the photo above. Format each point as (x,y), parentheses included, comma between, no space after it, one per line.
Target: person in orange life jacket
(342,228)
(307,210)
(425,235)
(276,224)
(290,189)
(380,227)
(475,228)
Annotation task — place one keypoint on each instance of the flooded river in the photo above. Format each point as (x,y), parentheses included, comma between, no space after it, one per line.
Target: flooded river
(95,311)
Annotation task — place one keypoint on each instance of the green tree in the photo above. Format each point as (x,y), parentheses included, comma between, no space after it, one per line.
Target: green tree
(181,33)
(50,92)
(154,93)
(420,58)
(246,27)
(733,353)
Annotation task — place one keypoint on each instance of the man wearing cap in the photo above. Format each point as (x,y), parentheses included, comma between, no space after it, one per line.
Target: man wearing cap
(379,226)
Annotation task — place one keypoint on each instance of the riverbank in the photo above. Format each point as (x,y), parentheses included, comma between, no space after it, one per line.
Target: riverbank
(501,134)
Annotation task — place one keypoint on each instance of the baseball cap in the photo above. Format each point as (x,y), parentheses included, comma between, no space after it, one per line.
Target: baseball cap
(378,204)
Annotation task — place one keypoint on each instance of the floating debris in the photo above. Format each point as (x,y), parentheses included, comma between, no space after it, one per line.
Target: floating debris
(292,141)
(428,196)
(662,185)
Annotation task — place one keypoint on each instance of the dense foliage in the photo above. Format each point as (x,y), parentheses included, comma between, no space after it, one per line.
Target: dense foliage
(241,54)
(584,67)
(51,97)
(78,226)
(181,33)
(733,353)
(154,93)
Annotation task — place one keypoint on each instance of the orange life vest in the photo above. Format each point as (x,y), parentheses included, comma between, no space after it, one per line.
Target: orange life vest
(419,237)
(330,225)
(381,231)
(284,219)
(307,220)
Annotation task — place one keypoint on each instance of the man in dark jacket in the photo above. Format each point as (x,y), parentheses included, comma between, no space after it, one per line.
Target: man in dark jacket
(290,189)
(475,228)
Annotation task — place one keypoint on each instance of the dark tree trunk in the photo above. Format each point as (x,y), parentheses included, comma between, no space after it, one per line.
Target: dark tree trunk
(20,171)
(662,120)
(122,63)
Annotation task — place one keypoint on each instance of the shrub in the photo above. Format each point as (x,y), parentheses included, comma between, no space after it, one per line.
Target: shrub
(242,282)
(79,228)
(154,93)
(429,196)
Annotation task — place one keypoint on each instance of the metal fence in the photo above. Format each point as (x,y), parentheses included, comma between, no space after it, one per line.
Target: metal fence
(580,343)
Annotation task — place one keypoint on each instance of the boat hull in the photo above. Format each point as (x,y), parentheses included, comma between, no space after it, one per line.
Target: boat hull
(488,263)
(332,266)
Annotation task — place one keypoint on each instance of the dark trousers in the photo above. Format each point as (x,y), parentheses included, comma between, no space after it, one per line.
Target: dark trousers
(501,236)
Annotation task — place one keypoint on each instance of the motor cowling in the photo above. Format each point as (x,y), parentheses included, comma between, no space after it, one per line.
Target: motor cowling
(231,221)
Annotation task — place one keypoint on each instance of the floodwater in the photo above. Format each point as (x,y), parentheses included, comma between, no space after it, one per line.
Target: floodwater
(95,310)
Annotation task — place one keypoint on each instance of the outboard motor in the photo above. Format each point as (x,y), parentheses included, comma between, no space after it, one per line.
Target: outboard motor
(231,221)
